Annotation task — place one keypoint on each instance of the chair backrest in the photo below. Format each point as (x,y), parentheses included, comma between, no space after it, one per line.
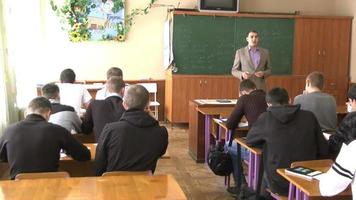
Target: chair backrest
(127,173)
(23,176)
(312,163)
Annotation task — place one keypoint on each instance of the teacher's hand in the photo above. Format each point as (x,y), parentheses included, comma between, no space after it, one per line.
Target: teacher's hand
(259,74)
(246,75)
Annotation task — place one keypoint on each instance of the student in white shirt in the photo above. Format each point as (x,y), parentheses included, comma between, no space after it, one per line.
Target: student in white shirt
(341,174)
(72,94)
(103,93)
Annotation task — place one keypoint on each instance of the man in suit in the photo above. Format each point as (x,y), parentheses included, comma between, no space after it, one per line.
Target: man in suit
(287,134)
(101,112)
(134,143)
(252,62)
(34,145)
(62,115)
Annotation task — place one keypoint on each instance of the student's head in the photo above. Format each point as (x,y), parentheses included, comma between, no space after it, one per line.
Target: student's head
(351,94)
(115,84)
(40,106)
(114,71)
(252,38)
(136,97)
(50,91)
(314,81)
(67,76)
(247,86)
(277,97)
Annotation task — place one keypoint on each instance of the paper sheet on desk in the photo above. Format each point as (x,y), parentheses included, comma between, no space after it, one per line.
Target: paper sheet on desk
(215,101)
(240,125)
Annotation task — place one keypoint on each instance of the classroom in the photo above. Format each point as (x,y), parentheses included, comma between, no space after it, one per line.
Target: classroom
(181,66)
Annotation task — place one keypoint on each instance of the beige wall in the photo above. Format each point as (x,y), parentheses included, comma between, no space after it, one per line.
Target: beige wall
(348,7)
(141,55)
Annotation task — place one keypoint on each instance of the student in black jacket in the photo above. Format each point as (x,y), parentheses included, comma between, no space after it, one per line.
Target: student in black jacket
(134,143)
(287,134)
(101,112)
(34,145)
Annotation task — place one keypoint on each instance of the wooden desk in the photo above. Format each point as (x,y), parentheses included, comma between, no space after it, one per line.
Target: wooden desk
(73,167)
(123,187)
(310,189)
(200,116)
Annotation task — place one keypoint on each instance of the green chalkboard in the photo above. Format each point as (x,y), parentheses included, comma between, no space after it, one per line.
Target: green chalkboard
(207,44)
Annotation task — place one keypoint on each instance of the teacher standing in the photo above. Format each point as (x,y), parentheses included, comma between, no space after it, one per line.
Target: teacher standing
(252,62)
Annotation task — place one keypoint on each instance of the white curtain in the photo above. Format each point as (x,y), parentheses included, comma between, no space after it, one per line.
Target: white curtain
(8,110)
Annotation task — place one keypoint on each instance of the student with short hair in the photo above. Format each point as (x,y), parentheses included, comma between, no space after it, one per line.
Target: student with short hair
(287,134)
(101,112)
(251,104)
(323,105)
(103,93)
(346,132)
(134,143)
(34,145)
(62,115)
(72,94)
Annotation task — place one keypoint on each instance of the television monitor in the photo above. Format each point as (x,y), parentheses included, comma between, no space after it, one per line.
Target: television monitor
(219,5)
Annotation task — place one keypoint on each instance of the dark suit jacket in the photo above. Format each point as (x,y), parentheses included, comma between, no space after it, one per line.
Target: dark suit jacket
(101,112)
(243,63)
(33,145)
(287,134)
(134,143)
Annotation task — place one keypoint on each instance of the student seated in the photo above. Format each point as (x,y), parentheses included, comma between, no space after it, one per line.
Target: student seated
(103,93)
(288,134)
(134,143)
(342,173)
(321,104)
(251,104)
(62,115)
(34,145)
(346,132)
(101,112)
(75,95)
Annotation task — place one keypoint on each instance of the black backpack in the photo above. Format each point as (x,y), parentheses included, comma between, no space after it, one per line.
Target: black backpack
(219,160)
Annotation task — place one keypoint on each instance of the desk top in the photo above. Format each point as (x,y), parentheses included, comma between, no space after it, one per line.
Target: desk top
(242,142)
(92,148)
(114,187)
(311,188)
(216,110)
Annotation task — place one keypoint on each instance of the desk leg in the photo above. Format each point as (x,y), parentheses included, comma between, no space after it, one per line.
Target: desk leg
(298,194)
(256,170)
(291,191)
(239,167)
(207,136)
(305,196)
(250,170)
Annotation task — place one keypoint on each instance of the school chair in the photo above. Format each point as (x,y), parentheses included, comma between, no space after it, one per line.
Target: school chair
(127,173)
(24,176)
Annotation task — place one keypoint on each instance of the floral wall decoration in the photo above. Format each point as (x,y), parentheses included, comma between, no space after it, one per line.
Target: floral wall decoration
(96,20)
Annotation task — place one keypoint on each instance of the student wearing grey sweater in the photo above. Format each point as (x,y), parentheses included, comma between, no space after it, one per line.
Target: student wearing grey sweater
(321,104)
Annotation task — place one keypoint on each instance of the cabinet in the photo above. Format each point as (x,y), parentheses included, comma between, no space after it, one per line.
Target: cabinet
(323,44)
(180,89)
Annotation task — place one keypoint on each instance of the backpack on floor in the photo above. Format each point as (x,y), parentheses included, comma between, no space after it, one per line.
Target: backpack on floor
(219,160)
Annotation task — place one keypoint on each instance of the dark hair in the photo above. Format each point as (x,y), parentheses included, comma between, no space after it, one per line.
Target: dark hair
(114,71)
(316,79)
(247,85)
(115,84)
(277,96)
(39,105)
(251,31)
(351,94)
(67,76)
(136,97)
(50,91)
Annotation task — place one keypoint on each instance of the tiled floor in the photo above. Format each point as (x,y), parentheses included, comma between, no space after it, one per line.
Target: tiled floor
(196,180)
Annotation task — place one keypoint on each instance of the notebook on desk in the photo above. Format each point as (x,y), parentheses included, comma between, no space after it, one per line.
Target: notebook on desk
(303,172)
